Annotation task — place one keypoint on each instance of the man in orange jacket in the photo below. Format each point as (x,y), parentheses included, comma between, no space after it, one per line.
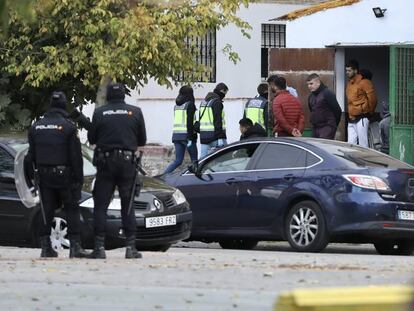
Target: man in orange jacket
(362,102)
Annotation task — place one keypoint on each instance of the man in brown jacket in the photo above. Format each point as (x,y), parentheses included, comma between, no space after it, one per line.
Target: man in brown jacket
(362,102)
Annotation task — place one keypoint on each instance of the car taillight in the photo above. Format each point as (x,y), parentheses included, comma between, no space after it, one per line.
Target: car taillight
(368,182)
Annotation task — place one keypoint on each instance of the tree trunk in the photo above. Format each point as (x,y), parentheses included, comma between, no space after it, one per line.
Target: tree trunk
(101,94)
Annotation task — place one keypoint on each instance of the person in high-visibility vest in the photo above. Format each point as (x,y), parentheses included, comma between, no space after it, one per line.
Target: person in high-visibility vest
(184,136)
(212,120)
(256,108)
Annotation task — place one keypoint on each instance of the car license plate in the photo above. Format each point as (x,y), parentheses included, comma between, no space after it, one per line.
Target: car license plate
(406,215)
(161,221)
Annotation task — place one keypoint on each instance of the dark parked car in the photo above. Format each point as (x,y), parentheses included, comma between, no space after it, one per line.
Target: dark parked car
(307,191)
(163,214)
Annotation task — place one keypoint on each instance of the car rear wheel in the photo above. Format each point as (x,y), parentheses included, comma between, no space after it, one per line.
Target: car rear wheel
(305,227)
(238,243)
(59,233)
(392,247)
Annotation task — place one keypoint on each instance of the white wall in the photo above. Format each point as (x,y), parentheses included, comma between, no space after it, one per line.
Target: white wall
(354,24)
(157,102)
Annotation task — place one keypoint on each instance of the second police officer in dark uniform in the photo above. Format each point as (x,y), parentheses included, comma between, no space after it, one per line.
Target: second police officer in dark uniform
(117,130)
(55,151)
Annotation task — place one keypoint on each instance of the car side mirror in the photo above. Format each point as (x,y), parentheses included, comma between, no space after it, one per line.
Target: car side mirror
(194,168)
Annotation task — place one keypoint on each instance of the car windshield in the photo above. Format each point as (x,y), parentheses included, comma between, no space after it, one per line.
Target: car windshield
(361,157)
(88,168)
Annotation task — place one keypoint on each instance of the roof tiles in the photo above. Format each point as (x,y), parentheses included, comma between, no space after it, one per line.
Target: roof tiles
(316,8)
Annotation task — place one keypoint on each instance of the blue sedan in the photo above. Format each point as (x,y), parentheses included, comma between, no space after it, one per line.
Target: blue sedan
(307,191)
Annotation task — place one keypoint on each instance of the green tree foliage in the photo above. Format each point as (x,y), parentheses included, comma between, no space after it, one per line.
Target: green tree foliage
(74,45)
(21,6)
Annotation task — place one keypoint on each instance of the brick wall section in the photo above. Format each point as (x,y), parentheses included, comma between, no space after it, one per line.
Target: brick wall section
(157,157)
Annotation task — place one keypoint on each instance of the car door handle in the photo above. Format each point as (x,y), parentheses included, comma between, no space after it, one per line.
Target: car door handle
(235,180)
(289,177)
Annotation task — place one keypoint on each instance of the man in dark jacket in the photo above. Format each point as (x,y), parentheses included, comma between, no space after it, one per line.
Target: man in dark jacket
(55,152)
(117,130)
(325,112)
(184,137)
(212,120)
(250,130)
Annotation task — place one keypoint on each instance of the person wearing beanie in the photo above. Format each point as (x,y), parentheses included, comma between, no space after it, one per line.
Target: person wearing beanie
(55,153)
(256,109)
(184,137)
(117,130)
(212,120)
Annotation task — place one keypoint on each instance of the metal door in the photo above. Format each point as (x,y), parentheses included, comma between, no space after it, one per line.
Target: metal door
(402,102)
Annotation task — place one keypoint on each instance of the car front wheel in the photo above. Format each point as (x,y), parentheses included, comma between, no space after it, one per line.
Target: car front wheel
(58,235)
(305,227)
(238,244)
(391,247)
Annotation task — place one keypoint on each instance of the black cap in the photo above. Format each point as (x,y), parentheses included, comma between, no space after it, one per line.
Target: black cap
(221,87)
(58,100)
(115,91)
(186,90)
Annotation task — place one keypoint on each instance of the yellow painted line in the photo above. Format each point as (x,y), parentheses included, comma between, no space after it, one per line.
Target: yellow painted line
(378,298)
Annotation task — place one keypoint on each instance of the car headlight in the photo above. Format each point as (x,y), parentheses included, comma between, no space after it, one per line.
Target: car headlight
(114,205)
(179,197)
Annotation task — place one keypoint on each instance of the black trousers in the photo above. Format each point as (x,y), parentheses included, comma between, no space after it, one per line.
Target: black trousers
(110,174)
(54,198)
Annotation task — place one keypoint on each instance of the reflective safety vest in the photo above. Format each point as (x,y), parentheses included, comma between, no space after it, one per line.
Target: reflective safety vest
(180,122)
(207,120)
(255,110)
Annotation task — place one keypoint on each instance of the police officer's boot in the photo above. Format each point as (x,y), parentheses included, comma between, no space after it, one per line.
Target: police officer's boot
(47,249)
(131,250)
(76,250)
(99,250)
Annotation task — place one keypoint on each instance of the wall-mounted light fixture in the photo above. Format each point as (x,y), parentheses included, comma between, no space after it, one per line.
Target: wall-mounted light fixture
(379,12)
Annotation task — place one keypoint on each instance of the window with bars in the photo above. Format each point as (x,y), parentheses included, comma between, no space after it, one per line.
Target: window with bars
(205,54)
(273,36)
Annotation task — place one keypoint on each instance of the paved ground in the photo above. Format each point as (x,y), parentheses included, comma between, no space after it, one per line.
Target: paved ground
(192,276)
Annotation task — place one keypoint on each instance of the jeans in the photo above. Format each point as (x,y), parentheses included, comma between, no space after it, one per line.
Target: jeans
(206,148)
(179,155)
(358,132)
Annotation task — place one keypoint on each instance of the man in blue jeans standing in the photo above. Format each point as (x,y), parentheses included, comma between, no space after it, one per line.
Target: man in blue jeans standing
(212,120)
(184,137)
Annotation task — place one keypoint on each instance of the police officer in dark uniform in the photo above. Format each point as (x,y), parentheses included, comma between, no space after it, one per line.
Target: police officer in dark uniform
(117,130)
(55,151)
